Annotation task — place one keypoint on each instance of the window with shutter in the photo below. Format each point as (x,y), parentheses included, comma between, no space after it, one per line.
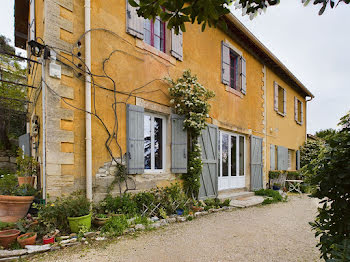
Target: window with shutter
(178,145)
(280,99)
(298,111)
(135,139)
(233,69)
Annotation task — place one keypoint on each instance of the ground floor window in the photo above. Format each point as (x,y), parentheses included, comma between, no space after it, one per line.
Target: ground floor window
(232,160)
(154,142)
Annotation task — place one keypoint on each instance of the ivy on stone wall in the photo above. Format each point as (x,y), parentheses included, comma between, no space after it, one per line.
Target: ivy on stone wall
(190,99)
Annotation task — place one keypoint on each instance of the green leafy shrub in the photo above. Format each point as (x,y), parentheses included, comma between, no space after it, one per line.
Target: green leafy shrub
(120,205)
(26,165)
(141,220)
(310,151)
(144,200)
(273,196)
(115,226)
(274,174)
(330,176)
(55,213)
(215,203)
(8,184)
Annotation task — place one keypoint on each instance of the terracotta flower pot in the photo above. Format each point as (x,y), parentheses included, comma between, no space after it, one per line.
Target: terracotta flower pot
(100,221)
(13,208)
(27,239)
(7,237)
(26,180)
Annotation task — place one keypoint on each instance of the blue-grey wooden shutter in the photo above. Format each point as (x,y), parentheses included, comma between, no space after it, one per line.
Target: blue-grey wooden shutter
(243,76)
(134,23)
(282,158)
(208,141)
(272,157)
(135,139)
(177,45)
(284,102)
(297,159)
(275,87)
(225,63)
(178,145)
(256,163)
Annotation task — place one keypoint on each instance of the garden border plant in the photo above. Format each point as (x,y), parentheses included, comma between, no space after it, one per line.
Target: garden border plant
(190,100)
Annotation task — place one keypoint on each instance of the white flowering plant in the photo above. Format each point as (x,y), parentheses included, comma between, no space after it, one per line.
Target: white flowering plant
(190,99)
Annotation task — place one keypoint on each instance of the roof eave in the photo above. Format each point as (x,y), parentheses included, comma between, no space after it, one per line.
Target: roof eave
(264,49)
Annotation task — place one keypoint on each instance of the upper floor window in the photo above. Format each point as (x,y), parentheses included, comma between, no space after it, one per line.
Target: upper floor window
(280,99)
(154,33)
(298,111)
(233,67)
(154,142)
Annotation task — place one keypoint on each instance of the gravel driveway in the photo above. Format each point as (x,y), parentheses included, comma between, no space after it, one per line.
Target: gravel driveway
(278,232)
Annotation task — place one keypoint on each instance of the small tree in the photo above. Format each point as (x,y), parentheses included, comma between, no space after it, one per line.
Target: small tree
(331,178)
(12,110)
(190,99)
(310,151)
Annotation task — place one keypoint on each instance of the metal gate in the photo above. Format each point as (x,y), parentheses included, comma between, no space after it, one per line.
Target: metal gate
(256,163)
(209,177)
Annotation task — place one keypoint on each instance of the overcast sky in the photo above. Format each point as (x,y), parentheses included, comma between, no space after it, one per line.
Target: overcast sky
(314,48)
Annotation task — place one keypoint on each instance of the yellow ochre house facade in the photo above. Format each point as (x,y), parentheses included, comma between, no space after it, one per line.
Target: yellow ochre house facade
(106,60)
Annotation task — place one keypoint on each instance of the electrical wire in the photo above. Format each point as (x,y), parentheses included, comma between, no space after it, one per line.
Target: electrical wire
(132,93)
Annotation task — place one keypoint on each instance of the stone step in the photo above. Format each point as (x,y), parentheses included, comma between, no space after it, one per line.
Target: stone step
(247,201)
(235,195)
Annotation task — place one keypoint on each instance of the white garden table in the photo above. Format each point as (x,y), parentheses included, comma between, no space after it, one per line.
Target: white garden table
(294,185)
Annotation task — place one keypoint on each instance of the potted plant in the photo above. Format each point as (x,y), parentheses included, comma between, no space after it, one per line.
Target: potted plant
(100,219)
(26,169)
(14,201)
(276,186)
(50,237)
(27,239)
(78,213)
(7,237)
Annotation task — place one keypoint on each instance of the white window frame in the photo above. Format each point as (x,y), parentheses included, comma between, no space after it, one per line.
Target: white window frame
(229,156)
(153,170)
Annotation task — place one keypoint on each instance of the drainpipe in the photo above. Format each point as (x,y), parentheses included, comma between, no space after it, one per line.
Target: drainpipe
(88,102)
(43,106)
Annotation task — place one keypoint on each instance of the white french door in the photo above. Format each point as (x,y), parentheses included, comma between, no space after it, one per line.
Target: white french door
(232,161)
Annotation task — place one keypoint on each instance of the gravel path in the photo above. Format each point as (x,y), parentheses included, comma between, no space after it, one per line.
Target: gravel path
(278,232)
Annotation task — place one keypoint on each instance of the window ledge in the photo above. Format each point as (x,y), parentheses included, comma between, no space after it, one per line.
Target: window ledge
(280,113)
(233,91)
(299,123)
(142,45)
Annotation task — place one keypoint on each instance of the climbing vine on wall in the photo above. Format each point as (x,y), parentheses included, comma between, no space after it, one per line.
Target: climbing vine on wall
(190,99)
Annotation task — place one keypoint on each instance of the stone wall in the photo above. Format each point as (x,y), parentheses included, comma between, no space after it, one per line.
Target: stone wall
(7,161)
